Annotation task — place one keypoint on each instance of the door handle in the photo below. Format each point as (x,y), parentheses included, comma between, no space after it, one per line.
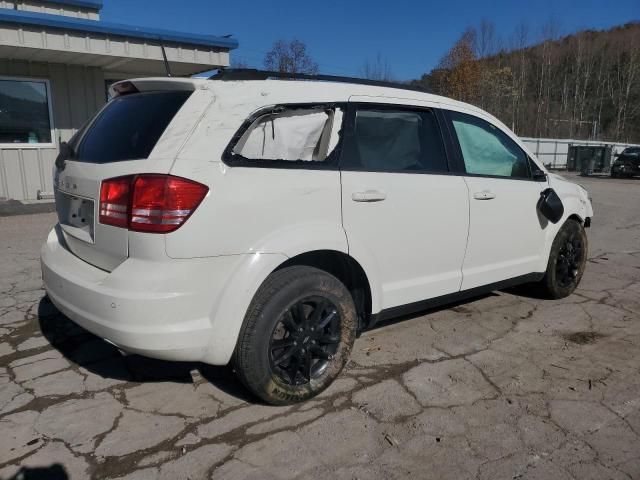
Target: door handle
(484,195)
(368,196)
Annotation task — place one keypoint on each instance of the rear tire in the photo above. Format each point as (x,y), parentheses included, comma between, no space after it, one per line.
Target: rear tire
(297,335)
(567,261)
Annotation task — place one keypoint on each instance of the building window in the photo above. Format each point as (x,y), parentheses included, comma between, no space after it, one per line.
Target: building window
(25,112)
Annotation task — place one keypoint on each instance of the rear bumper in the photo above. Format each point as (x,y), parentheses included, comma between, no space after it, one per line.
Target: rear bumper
(161,309)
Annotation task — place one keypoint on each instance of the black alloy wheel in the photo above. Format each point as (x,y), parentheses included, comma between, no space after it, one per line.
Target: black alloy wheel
(297,335)
(569,261)
(305,340)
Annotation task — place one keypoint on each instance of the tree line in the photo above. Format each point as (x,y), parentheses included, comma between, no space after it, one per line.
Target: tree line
(582,86)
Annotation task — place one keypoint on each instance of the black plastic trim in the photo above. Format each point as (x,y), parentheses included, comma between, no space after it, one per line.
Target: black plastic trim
(500,177)
(231,74)
(550,205)
(456,162)
(422,305)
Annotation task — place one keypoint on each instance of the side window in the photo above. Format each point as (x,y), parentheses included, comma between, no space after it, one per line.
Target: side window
(295,134)
(394,140)
(487,150)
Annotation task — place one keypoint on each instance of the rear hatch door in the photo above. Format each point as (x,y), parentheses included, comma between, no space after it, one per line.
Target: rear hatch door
(124,138)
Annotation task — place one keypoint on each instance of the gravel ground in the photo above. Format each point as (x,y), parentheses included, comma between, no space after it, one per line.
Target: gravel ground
(504,386)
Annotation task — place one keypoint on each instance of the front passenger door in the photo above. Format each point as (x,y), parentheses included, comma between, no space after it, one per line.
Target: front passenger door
(506,232)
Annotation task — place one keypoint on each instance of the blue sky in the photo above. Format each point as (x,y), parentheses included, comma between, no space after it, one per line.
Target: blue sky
(341,35)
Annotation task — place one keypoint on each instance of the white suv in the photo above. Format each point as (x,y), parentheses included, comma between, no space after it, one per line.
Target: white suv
(267,222)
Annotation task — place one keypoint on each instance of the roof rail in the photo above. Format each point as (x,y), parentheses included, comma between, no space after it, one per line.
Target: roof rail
(255,74)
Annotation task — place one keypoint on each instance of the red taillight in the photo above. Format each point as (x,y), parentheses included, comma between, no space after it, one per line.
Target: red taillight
(149,203)
(114,201)
(162,203)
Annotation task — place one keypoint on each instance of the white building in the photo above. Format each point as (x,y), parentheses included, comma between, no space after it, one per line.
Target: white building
(57,59)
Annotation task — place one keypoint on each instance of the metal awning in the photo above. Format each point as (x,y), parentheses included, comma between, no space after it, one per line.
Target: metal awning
(118,49)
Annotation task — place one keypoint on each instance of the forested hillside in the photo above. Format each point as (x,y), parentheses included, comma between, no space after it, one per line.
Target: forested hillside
(583,86)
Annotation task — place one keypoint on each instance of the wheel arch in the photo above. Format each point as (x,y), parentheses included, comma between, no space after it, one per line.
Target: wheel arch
(582,220)
(346,269)
(577,218)
(585,221)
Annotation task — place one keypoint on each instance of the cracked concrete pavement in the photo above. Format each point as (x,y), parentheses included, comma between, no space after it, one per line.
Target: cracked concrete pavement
(503,386)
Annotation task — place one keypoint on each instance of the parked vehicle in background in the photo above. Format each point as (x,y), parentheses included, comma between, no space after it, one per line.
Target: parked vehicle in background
(267,222)
(627,163)
(589,159)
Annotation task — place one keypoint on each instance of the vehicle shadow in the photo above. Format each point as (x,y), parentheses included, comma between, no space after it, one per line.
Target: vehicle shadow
(527,290)
(53,472)
(105,360)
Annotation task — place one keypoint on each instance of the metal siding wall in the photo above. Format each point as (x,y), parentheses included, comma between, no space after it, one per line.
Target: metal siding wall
(76,93)
(11,168)
(554,151)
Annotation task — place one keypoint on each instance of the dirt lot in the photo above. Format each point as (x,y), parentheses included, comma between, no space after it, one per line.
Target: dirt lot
(505,386)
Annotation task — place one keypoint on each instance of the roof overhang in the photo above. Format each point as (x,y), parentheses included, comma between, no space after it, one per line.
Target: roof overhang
(91,4)
(115,48)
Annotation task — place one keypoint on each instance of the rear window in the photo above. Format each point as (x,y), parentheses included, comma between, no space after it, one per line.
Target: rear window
(291,135)
(129,127)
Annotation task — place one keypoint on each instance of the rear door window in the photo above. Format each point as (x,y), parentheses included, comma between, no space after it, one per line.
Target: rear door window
(394,140)
(129,127)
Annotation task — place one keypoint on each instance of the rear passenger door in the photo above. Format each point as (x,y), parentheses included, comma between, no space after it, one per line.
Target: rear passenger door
(506,233)
(404,214)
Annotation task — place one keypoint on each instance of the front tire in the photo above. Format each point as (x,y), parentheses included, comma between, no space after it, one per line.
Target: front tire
(297,335)
(567,261)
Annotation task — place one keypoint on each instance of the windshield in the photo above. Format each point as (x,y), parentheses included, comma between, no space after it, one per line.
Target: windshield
(631,151)
(128,127)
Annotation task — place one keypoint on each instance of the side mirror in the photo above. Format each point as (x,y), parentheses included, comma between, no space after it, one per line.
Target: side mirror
(539,175)
(550,205)
(66,152)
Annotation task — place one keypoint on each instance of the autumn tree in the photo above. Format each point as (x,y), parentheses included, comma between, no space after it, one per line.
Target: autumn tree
(434,81)
(290,57)
(460,68)
(582,86)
